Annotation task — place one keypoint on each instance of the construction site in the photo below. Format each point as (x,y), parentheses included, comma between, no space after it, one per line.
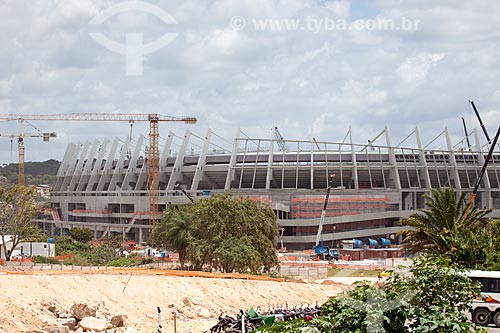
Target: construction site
(106,187)
(122,186)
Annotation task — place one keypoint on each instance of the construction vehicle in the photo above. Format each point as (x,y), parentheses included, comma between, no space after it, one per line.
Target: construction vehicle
(322,251)
(153,153)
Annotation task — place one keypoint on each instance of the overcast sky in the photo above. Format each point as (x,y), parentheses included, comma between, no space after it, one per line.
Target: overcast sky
(311,67)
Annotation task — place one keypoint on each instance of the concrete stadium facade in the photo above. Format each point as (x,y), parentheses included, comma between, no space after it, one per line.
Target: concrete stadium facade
(103,185)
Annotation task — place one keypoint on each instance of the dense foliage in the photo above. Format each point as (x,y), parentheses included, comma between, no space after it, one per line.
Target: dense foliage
(221,232)
(448,228)
(83,235)
(35,173)
(86,253)
(434,296)
(173,231)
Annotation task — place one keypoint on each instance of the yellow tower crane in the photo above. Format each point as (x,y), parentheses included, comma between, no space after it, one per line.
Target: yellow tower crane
(153,154)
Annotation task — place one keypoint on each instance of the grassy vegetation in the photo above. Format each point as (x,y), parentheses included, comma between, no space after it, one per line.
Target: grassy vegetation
(346,272)
(45,260)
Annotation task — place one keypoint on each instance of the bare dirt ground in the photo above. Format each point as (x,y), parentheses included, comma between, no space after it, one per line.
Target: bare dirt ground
(198,301)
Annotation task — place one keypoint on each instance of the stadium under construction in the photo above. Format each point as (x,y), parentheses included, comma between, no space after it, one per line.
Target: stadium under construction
(103,185)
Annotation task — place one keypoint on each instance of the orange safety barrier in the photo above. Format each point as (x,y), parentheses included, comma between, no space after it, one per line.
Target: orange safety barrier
(21,259)
(64,257)
(157,272)
(343,199)
(319,207)
(328,214)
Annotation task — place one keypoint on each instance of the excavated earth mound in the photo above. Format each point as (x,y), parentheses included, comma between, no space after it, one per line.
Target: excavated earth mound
(29,301)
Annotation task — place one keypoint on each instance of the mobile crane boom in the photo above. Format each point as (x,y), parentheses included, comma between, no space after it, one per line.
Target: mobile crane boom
(472,196)
(178,186)
(323,212)
(480,120)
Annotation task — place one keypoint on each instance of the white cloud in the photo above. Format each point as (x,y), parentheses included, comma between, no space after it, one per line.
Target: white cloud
(340,8)
(303,82)
(414,70)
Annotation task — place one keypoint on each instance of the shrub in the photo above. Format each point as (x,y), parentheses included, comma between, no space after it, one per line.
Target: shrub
(45,260)
(77,260)
(123,262)
(146,260)
(83,235)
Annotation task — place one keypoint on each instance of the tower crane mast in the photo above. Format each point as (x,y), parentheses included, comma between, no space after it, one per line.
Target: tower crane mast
(153,154)
(20,145)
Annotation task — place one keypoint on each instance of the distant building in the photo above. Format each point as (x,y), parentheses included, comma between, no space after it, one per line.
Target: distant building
(43,190)
(103,185)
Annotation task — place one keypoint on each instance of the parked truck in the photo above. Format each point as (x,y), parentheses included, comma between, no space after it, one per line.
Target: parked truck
(486,309)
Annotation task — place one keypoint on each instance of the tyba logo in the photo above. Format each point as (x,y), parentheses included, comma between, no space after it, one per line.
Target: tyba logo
(134,49)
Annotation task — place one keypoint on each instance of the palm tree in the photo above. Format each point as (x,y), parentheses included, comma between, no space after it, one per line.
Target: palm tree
(447,228)
(173,232)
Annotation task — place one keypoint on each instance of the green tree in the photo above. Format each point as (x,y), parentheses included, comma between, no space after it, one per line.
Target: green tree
(222,232)
(83,235)
(444,228)
(233,234)
(33,233)
(67,245)
(17,208)
(173,231)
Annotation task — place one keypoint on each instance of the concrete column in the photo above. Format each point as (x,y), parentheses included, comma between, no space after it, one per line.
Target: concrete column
(119,164)
(131,174)
(166,149)
(269,175)
(94,177)
(312,164)
(486,198)
(64,166)
(179,162)
(256,163)
(73,160)
(88,167)
(232,161)
(453,161)
(107,167)
(392,159)
(79,167)
(142,175)
(200,167)
(354,163)
(423,161)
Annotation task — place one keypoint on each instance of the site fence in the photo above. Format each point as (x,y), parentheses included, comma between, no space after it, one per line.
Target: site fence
(22,265)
